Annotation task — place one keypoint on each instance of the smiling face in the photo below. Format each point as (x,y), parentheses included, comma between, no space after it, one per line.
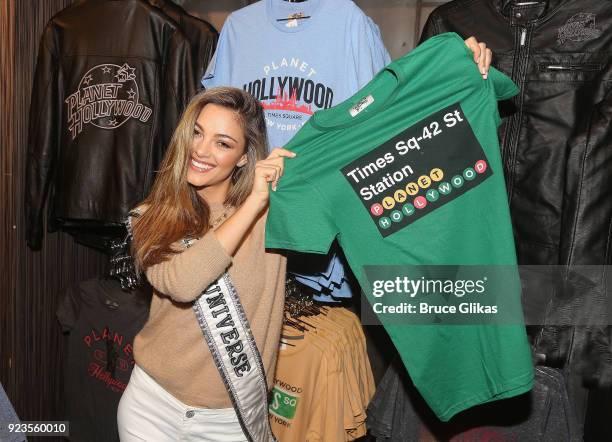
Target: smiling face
(218,147)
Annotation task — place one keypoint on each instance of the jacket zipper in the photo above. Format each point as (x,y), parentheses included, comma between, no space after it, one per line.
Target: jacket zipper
(584,67)
(514,125)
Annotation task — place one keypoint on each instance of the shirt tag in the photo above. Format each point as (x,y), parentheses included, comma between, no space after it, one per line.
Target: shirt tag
(363,103)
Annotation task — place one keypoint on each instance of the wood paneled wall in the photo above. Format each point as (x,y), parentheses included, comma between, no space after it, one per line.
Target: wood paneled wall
(31,282)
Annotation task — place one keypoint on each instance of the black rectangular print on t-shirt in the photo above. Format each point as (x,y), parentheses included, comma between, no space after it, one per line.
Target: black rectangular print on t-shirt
(419,170)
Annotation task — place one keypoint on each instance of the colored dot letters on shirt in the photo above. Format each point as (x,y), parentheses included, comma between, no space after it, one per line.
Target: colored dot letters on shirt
(419,170)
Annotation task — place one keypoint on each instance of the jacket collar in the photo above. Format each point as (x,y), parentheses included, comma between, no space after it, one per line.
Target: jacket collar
(505,7)
(503,4)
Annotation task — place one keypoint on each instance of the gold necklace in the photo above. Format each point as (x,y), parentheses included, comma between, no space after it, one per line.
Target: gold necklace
(220,218)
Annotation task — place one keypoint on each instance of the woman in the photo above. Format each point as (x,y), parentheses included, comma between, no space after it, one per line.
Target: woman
(213,177)
(212,189)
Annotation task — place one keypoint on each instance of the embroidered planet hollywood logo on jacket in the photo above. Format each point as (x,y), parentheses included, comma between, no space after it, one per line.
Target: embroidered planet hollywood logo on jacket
(107,96)
(579,27)
(290,93)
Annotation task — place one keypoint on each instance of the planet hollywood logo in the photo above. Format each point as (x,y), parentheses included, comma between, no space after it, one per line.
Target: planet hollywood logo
(579,27)
(107,97)
(405,202)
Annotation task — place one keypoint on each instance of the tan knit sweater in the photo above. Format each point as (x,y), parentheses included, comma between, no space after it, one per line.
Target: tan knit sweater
(171,347)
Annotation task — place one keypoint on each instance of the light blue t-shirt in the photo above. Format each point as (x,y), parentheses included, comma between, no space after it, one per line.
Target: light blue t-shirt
(296,67)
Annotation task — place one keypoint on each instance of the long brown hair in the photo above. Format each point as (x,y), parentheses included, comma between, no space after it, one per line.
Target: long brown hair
(173,210)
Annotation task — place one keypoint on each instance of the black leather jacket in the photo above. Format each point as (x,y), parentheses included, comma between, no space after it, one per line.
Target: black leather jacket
(557,52)
(557,151)
(111,80)
(202,35)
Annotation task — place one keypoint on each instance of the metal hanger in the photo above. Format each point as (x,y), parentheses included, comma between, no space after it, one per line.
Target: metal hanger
(296,16)
(299,305)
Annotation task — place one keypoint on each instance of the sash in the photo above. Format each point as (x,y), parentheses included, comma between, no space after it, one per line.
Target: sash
(233,348)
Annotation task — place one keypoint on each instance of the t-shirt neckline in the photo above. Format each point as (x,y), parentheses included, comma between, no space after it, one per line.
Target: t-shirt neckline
(281,9)
(394,68)
(391,71)
(297,345)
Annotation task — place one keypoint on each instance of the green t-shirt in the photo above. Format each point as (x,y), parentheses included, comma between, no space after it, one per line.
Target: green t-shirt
(408,172)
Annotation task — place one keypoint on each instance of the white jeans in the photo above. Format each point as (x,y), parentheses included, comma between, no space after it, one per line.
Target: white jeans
(147,412)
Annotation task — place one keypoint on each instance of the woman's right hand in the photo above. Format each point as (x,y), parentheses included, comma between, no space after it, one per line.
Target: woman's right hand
(231,232)
(268,171)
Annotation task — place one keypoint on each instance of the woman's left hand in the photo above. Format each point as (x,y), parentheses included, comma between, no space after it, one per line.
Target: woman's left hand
(482,55)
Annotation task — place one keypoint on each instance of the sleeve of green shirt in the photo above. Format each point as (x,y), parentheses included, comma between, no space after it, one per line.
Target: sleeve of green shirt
(299,217)
(503,86)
